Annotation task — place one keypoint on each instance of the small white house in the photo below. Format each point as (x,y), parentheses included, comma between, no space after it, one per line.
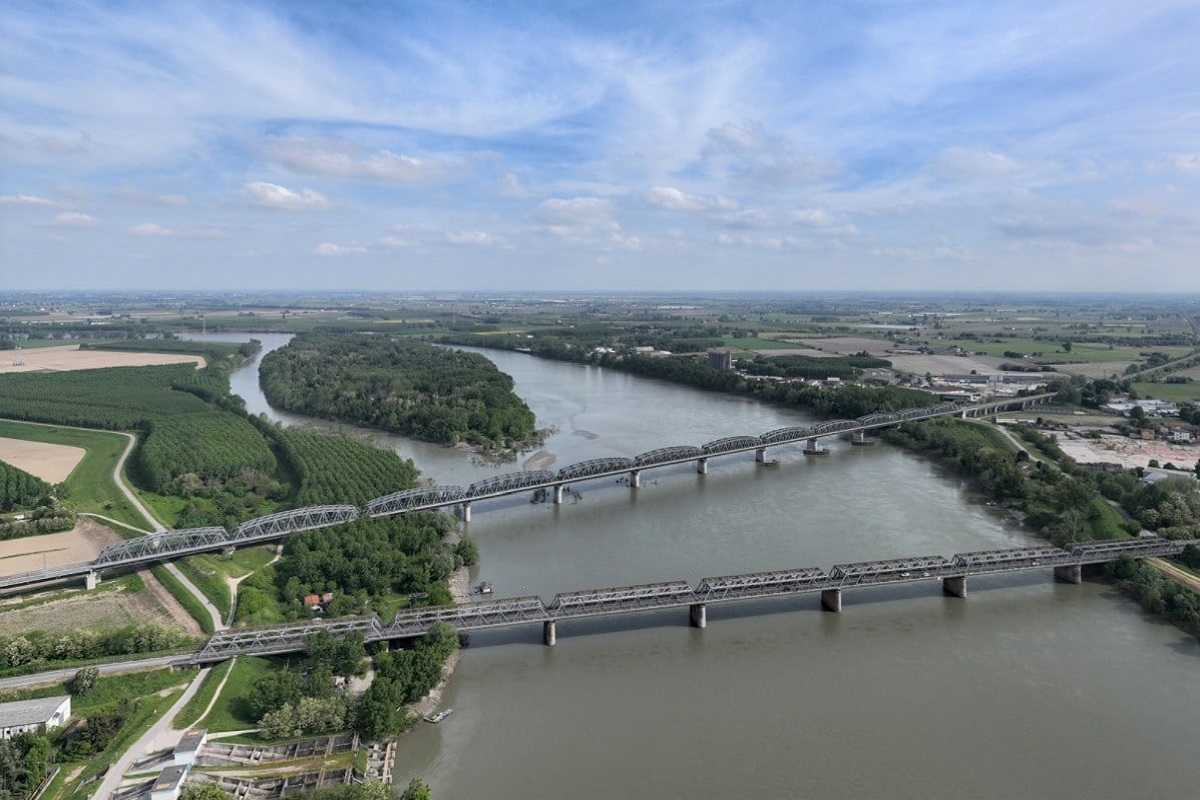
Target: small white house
(189,746)
(29,715)
(169,784)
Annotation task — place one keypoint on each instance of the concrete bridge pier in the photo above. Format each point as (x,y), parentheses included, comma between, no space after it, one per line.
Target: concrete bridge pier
(228,551)
(464,512)
(956,586)
(558,494)
(760,455)
(859,438)
(702,466)
(698,615)
(550,632)
(635,479)
(811,448)
(91,580)
(1072,573)
(831,600)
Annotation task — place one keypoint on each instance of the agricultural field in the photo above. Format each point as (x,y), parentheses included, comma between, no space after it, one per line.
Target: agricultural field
(1174,392)
(125,601)
(90,486)
(51,463)
(339,469)
(61,358)
(55,549)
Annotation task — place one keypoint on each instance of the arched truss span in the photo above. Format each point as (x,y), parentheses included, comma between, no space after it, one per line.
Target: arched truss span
(782,435)
(596,466)
(728,444)
(410,499)
(298,519)
(161,544)
(664,455)
(511,482)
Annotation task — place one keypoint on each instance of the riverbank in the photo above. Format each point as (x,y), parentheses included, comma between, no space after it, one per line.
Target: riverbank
(460,590)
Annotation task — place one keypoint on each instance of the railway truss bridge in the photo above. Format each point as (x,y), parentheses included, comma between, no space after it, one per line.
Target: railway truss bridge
(621,600)
(139,552)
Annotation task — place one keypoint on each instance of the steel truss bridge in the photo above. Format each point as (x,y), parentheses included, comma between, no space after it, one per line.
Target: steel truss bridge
(170,545)
(952,572)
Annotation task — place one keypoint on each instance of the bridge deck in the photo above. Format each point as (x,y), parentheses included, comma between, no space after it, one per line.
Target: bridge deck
(673,594)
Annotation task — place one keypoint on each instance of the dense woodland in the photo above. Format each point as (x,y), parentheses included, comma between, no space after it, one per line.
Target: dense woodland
(42,648)
(398,385)
(367,559)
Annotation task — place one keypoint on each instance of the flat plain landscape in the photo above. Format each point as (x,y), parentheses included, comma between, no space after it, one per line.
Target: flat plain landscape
(70,357)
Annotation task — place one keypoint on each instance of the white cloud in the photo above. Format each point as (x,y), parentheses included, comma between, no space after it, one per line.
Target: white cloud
(74,219)
(333,250)
(564,217)
(964,163)
(476,238)
(395,242)
(152,230)
(25,200)
(1188,162)
(280,198)
(673,199)
(340,160)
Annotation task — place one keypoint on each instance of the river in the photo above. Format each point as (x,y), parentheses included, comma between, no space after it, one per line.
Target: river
(1027,688)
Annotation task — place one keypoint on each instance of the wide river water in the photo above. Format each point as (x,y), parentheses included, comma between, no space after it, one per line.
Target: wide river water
(1027,688)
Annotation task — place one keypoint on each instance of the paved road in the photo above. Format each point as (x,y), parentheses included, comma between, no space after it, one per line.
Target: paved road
(160,736)
(114,668)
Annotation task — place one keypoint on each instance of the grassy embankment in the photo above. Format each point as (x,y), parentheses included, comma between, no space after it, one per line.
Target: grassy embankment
(190,714)
(191,604)
(90,486)
(231,712)
(210,572)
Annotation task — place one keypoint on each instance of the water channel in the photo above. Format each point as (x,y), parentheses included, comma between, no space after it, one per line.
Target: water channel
(1027,688)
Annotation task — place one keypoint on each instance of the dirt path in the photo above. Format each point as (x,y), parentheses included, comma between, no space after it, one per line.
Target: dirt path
(1175,573)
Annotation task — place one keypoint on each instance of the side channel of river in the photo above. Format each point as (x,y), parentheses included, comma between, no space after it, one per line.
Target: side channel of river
(1028,688)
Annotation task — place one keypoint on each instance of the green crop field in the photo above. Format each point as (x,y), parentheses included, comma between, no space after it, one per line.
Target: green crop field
(1175,392)
(90,486)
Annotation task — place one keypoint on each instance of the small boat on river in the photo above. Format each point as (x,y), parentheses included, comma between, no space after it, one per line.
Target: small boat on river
(439,716)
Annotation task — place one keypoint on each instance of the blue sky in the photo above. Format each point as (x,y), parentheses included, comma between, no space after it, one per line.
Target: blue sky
(575,145)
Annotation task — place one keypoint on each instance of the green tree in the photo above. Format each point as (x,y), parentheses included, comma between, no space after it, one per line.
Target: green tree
(84,681)
(204,790)
(417,790)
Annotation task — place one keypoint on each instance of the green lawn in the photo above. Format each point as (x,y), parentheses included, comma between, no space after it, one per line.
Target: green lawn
(1176,392)
(758,343)
(230,712)
(90,485)
(189,715)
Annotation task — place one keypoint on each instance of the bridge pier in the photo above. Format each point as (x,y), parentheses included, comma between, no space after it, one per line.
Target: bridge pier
(698,615)
(635,479)
(702,466)
(811,448)
(558,494)
(859,438)
(760,455)
(831,600)
(550,632)
(1071,573)
(91,580)
(464,512)
(955,586)
(228,551)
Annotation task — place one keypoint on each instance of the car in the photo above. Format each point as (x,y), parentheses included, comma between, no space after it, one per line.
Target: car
(905,574)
